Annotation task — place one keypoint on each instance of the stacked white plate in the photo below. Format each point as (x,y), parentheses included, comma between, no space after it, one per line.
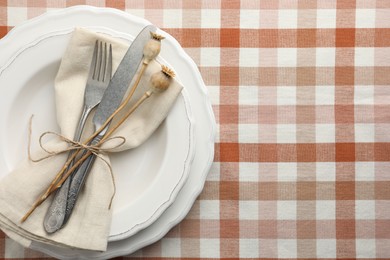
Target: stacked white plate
(151,197)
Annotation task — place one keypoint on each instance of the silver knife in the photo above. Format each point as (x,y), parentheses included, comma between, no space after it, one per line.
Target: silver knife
(111,100)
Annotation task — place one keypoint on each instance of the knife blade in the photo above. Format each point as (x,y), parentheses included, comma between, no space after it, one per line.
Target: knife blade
(122,77)
(111,100)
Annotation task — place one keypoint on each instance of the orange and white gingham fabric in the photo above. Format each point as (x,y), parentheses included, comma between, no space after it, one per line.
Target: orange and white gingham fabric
(301,93)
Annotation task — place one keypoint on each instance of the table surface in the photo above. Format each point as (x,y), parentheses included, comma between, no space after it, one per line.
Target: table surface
(301,94)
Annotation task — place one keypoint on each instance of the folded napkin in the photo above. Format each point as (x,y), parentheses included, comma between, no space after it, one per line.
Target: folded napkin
(89,225)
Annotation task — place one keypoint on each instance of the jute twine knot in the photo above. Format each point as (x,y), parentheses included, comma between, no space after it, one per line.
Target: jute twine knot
(97,150)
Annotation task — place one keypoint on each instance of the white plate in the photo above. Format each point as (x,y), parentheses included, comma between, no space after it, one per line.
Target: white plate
(144,189)
(200,104)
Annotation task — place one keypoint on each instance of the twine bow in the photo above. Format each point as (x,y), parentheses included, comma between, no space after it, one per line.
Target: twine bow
(97,150)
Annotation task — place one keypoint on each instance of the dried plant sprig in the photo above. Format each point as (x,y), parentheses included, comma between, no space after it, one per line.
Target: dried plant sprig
(157,86)
(151,50)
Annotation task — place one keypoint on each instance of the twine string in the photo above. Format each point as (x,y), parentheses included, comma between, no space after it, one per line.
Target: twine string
(96,150)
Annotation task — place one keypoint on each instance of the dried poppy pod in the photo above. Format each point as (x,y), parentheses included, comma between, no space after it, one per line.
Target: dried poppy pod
(152,47)
(162,79)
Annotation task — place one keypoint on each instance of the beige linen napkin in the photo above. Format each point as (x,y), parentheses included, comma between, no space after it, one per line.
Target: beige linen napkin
(89,225)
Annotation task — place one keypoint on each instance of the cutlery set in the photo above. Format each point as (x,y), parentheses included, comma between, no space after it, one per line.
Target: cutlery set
(105,94)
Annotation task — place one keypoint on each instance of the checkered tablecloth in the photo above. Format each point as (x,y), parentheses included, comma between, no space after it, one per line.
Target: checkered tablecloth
(301,94)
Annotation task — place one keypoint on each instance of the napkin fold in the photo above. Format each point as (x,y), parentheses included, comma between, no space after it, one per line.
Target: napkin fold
(89,225)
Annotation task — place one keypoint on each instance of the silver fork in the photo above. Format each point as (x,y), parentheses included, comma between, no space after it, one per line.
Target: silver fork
(98,79)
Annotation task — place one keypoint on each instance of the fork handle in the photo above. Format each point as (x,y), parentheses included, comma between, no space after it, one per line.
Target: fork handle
(83,119)
(55,215)
(77,182)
